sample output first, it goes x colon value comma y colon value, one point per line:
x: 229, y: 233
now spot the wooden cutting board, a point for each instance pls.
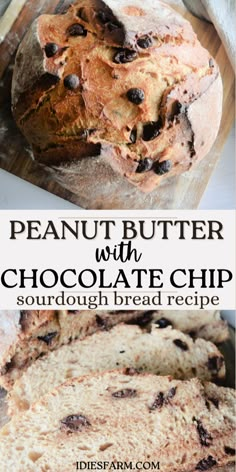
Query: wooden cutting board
x: 179, y: 192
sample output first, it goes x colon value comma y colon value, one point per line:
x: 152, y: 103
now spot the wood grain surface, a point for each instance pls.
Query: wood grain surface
x: 178, y: 192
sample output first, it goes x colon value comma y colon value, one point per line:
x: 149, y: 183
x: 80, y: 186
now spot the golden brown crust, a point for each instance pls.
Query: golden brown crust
x: 121, y: 46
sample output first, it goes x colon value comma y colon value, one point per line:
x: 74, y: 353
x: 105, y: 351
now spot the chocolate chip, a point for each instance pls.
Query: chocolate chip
x: 151, y: 130
x: 124, y: 55
x: 163, y: 167
x: 122, y: 352
x: 71, y: 81
x: 181, y: 344
x: 103, y: 17
x: 74, y: 422
x: 48, y: 337
x: 51, y: 49
x: 136, y: 96
x: 204, y: 436
x: 171, y: 392
x: 73, y: 312
x: 126, y: 393
x: 144, y: 42
x: 163, y: 323
x: 215, y: 363
x: 7, y: 367
x: 206, y: 464
x: 77, y: 30
x: 131, y: 371
x: 158, y: 402
x: 102, y: 323
x: 214, y: 401
x: 133, y: 136
x: 230, y: 451
x: 143, y: 319
x: 113, y: 26
x: 144, y: 165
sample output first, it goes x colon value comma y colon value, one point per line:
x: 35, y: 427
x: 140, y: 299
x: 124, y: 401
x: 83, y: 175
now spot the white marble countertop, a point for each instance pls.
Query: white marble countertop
x: 15, y: 193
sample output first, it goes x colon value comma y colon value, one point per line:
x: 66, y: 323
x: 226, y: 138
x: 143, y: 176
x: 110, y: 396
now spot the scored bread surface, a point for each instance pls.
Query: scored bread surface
x: 126, y: 91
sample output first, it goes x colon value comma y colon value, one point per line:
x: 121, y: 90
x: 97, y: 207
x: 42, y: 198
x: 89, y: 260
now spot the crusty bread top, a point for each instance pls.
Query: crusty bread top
x: 123, y: 416
x: 174, y: 124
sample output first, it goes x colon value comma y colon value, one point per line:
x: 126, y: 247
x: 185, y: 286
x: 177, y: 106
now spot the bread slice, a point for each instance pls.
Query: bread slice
x: 206, y: 324
x: 162, y: 351
x: 122, y: 416
x: 27, y: 335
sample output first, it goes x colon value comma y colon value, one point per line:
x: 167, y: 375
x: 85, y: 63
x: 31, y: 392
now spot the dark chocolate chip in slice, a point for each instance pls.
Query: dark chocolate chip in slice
x: 143, y: 319
x: 181, y: 344
x: 206, y: 464
x: 215, y: 363
x: 125, y: 393
x: 151, y: 130
x: 101, y: 322
x: 77, y: 30
x: 112, y: 26
x: 144, y: 165
x: 163, y: 323
x: 51, y: 49
x: 131, y: 371
x: 124, y: 55
x: 171, y: 392
x: 204, y: 436
x: 71, y: 81
x: 163, y: 167
x: 136, y: 96
x: 74, y: 422
x: 81, y: 13
x: 145, y: 42
x: 214, y: 401
x: 48, y: 337
x: 229, y: 451
x: 158, y: 402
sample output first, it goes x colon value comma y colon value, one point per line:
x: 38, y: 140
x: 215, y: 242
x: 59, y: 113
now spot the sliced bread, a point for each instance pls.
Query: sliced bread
x: 116, y: 417
x: 162, y: 351
x: 27, y: 335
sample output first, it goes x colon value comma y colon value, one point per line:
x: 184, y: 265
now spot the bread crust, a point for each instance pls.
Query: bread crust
x: 93, y: 138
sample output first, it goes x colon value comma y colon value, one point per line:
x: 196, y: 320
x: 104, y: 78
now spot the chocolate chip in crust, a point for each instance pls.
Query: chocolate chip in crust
x: 133, y: 136
x: 229, y: 451
x: 163, y: 167
x: 125, y: 393
x: 144, y: 165
x: 206, y: 464
x: 51, y: 49
x: 136, y: 96
x: 204, y: 436
x: 214, y: 401
x: 151, y: 130
x: 48, y: 337
x: 124, y: 55
x: 71, y: 81
x: 145, y: 42
x: 181, y: 344
x: 77, y: 30
x: 163, y: 323
x: 74, y: 423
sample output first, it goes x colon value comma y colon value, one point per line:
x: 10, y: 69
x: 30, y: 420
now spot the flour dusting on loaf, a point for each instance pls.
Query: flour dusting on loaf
x: 124, y: 88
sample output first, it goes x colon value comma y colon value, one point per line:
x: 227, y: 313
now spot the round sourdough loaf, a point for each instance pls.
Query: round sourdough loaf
x: 115, y: 97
